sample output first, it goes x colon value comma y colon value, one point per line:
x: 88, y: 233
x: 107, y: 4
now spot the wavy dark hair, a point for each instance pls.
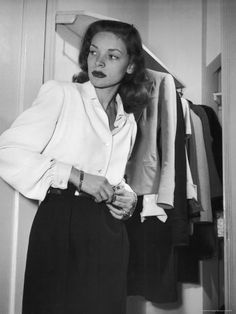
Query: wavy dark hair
x: 135, y: 88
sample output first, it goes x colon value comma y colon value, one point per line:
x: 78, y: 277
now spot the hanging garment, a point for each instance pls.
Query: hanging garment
x: 178, y: 216
x: 186, y: 113
x: 194, y: 208
x: 188, y: 270
x: 147, y: 172
x: 152, y: 260
x: 215, y: 183
x: 201, y: 167
x: 203, y: 240
x: 191, y: 187
x: 216, y: 134
x: 152, y: 270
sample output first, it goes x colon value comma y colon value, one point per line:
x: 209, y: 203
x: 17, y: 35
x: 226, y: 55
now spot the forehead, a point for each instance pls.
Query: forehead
x: 108, y: 40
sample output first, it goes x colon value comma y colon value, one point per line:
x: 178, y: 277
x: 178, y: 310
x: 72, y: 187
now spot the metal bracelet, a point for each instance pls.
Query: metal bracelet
x: 81, y: 178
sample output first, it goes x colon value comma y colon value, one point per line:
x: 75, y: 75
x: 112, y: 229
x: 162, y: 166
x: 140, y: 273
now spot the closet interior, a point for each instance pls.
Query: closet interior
x: 188, y: 247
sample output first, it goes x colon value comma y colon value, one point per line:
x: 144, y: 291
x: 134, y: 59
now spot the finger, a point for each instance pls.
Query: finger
x: 98, y: 198
x: 114, y: 210
x: 126, y: 196
x: 120, y: 191
x: 123, y: 199
x: 123, y: 205
x: 123, y: 214
x: 123, y: 202
x: 109, y: 193
x: 116, y: 216
x: 127, y: 199
x: 104, y: 195
x: 110, y: 197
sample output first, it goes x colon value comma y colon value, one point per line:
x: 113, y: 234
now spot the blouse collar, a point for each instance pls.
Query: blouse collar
x: 121, y: 115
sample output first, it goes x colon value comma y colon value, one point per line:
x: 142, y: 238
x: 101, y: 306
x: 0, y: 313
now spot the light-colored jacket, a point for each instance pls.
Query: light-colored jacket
x: 150, y: 171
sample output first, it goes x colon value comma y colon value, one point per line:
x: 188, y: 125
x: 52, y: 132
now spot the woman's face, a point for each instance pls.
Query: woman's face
x: 108, y: 60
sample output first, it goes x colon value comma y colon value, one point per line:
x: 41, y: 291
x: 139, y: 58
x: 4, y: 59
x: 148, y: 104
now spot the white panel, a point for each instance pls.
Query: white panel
x: 213, y: 30
x: 22, y: 50
x: 175, y: 36
x: 10, y: 43
x: 229, y: 130
x: 66, y: 53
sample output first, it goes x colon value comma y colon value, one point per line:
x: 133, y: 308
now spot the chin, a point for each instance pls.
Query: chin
x: 98, y: 83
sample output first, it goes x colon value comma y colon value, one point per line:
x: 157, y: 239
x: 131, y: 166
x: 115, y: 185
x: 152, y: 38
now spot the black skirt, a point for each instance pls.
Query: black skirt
x: 77, y: 259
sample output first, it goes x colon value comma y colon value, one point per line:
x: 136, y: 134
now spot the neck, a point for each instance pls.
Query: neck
x: 106, y: 95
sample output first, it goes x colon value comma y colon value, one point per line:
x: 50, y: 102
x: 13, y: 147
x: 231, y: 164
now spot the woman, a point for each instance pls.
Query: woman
x: 69, y: 151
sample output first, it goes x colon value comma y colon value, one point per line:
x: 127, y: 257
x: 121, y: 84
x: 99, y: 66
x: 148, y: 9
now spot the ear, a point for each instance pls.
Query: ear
x: 130, y: 68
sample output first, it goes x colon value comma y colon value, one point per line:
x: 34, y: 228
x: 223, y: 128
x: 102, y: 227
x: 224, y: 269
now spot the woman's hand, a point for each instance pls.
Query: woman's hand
x: 97, y: 186
x: 123, y: 203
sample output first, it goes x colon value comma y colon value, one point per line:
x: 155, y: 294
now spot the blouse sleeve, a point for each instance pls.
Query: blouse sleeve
x: 22, y: 162
x: 133, y: 135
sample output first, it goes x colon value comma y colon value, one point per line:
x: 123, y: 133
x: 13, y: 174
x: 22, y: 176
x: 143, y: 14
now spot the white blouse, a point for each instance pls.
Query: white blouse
x: 66, y: 126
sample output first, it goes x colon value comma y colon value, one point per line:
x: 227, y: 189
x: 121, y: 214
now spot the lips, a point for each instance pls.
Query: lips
x: 98, y: 74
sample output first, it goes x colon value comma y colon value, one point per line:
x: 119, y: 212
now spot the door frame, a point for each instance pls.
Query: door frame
x: 229, y: 150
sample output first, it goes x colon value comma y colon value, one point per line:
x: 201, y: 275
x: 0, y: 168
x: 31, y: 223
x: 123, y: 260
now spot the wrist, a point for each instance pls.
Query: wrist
x: 81, y: 179
x: 76, y: 178
x: 135, y: 201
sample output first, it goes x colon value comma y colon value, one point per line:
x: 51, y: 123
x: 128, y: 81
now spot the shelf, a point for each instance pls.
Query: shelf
x: 217, y: 98
x: 78, y: 21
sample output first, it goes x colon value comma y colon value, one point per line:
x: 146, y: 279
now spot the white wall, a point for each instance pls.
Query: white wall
x: 21, y: 49
x: 10, y: 42
x: 212, y: 56
x: 131, y: 11
x: 175, y: 36
x: 213, y: 31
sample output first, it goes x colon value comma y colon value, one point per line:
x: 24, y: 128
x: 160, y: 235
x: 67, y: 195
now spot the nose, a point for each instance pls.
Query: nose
x: 100, y: 61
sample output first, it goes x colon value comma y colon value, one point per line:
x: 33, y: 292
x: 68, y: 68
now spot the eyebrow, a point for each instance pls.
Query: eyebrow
x: 110, y: 49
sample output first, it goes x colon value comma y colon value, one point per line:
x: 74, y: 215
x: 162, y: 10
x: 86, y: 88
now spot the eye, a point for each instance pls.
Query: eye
x: 92, y: 52
x: 113, y: 57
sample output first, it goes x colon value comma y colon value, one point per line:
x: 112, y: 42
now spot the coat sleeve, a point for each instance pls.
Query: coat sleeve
x: 22, y: 162
x: 168, y: 116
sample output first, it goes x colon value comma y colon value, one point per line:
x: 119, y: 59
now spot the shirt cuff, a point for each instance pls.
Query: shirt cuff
x: 165, y: 197
x: 61, y: 175
x: 150, y: 208
x: 191, y: 191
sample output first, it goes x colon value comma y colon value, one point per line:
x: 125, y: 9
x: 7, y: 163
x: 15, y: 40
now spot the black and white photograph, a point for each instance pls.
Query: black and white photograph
x: 117, y: 156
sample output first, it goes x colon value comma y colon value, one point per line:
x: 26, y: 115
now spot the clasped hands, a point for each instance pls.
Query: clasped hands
x: 121, y: 203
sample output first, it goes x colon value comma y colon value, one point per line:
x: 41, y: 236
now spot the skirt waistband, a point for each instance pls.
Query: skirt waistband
x: 70, y: 191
